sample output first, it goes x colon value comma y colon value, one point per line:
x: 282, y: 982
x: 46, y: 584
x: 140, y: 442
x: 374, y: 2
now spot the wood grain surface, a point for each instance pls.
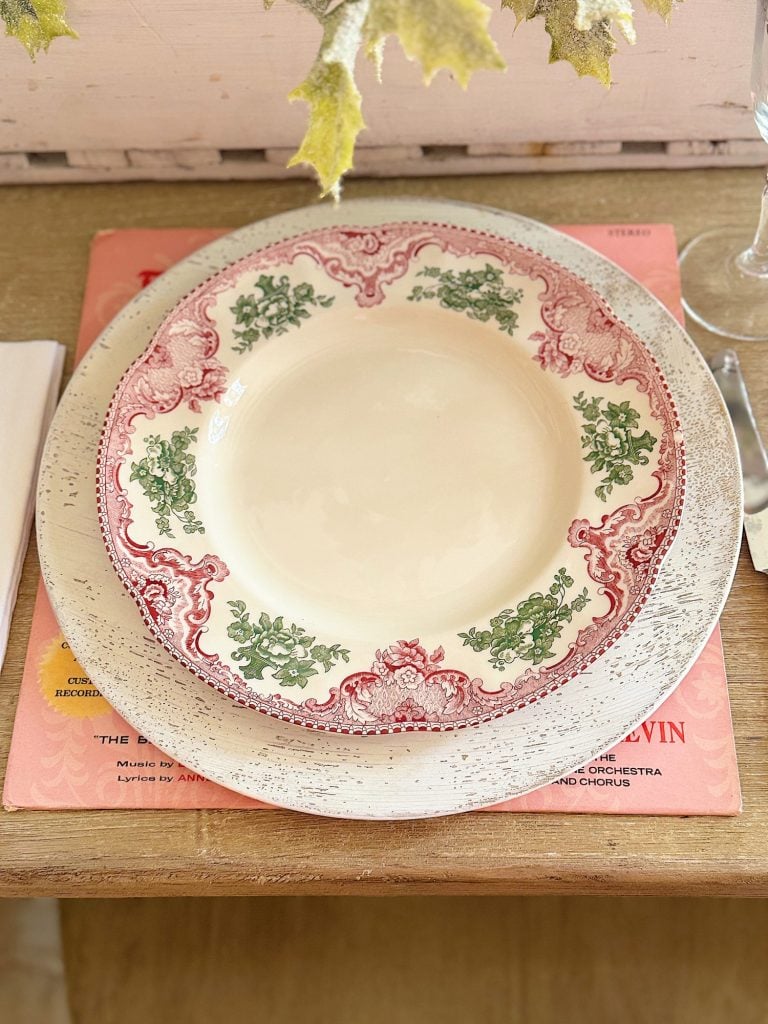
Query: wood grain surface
x: 33, y: 987
x: 417, y: 961
x: 43, y: 258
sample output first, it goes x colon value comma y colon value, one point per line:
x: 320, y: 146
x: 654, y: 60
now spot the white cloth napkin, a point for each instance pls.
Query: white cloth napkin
x: 30, y: 375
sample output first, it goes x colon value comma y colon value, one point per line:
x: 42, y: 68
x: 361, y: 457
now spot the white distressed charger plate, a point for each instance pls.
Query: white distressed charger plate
x: 393, y: 776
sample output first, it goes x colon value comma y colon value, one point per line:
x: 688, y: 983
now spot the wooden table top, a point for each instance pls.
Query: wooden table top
x: 46, y: 231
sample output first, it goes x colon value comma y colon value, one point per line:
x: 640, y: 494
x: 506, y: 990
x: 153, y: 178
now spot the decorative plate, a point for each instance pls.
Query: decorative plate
x: 406, y: 775
x: 404, y: 476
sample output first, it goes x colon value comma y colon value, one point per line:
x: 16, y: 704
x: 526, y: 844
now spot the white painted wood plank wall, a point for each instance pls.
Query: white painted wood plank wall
x: 189, y: 75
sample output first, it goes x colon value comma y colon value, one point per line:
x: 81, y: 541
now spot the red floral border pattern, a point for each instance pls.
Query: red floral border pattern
x: 405, y: 688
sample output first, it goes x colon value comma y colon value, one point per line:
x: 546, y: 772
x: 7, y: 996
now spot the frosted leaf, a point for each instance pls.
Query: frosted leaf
x: 335, y: 117
x: 590, y: 12
x: 36, y: 23
x: 450, y: 34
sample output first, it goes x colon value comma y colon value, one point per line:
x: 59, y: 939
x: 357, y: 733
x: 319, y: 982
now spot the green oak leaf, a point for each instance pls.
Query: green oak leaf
x: 35, y: 23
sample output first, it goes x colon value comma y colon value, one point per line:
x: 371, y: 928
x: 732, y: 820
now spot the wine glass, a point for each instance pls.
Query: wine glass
x: 725, y: 271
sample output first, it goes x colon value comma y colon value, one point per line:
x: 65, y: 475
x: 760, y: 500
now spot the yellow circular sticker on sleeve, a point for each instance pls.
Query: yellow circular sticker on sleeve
x: 65, y: 685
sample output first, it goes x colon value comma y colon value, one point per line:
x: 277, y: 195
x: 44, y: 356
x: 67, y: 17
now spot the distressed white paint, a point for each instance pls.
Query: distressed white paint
x: 388, y: 776
x: 582, y: 148
x: 373, y: 162
x: 13, y: 164
x: 183, y: 159
x: 98, y: 159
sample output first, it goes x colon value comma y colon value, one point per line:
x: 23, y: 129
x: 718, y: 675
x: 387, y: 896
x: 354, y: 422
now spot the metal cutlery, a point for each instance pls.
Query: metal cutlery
x: 754, y: 460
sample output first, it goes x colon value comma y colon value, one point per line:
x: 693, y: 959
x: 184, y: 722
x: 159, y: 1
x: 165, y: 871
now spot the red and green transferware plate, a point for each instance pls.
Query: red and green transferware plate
x: 405, y: 476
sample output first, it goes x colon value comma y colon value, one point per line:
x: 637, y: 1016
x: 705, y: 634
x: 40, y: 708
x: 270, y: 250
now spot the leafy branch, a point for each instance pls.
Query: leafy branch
x: 450, y: 34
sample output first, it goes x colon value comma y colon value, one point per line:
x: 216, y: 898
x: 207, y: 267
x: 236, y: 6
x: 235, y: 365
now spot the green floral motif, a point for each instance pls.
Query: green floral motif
x: 272, y: 308
x: 481, y: 294
x: 528, y: 632
x: 613, y: 448
x: 165, y: 474
x: 290, y: 654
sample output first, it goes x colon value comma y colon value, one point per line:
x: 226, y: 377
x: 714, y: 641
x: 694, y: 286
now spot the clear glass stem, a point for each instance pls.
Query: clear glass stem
x: 724, y: 273
x: 755, y: 259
